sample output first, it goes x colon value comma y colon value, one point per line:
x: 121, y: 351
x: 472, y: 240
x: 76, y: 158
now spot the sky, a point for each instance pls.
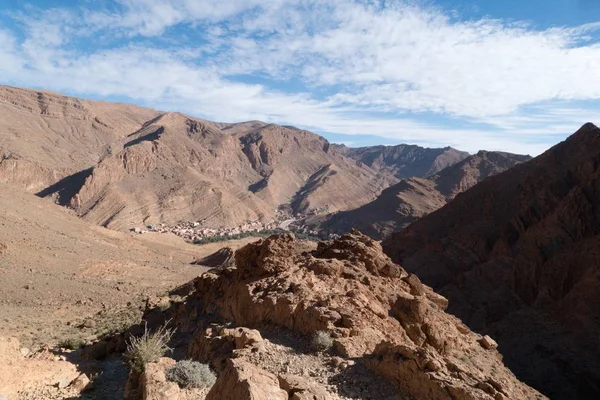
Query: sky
x: 511, y: 75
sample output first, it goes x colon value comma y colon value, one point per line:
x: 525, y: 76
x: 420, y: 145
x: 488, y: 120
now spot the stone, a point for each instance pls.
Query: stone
x: 152, y: 384
x: 488, y: 343
x: 243, y: 381
x: 299, y: 388
x: 63, y: 383
x: 81, y: 383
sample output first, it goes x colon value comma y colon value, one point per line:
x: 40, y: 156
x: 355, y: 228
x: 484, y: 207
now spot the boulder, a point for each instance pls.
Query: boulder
x: 81, y: 383
x: 299, y: 388
x: 488, y: 343
x: 152, y: 384
x: 243, y: 381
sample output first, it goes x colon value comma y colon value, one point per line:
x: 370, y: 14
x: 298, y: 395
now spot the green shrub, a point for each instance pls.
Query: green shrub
x: 148, y: 348
x: 188, y: 373
x: 322, y: 341
x: 71, y: 343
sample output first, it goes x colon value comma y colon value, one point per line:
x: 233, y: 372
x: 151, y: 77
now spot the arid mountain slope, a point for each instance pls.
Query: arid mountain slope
x: 122, y: 166
x: 177, y: 168
x: 405, y: 161
x: 45, y: 137
x: 518, y: 257
x: 410, y: 199
x: 55, y: 268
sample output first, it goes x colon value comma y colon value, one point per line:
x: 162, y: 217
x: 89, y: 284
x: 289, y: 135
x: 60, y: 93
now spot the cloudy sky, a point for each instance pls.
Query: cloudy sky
x: 514, y: 75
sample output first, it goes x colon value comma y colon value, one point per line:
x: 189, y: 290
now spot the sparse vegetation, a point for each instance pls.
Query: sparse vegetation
x: 215, y: 239
x: 149, y: 347
x: 71, y: 343
x: 260, y: 234
x: 466, y: 359
x: 192, y: 374
x: 322, y: 341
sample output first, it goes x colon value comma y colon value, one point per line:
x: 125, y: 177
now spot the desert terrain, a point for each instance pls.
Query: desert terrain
x: 152, y: 255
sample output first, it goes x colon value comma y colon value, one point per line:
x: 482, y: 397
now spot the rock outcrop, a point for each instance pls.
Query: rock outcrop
x: 25, y: 375
x: 378, y: 315
x: 517, y: 255
x: 243, y: 381
x: 405, y: 202
x: 221, y: 258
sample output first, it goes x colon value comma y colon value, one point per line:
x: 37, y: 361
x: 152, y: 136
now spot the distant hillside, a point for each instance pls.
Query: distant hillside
x: 405, y: 161
x: 120, y: 166
x: 518, y: 256
x: 411, y: 199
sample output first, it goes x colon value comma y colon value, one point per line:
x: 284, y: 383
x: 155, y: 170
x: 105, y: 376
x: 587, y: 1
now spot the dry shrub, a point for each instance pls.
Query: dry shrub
x: 148, y: 348
x: 188, y: 373
x: 322, y: 341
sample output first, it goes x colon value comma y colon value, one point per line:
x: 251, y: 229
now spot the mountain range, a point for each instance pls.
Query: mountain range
x: 403, y: 160
x: 121, y: 166
x: 510, y: 241
x: 412, y: 198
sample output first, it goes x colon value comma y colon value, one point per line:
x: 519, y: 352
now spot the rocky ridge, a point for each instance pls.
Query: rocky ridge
x: 391, y: 337
x: 517, y: 255
x: 412, y: 198
x: 404, y: 160
x: 46, y: 137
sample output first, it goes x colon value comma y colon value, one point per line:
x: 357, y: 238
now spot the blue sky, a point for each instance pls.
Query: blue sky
x: 498, y: 75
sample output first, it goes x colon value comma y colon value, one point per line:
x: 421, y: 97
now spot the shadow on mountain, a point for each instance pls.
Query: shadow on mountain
x: 66, y: 188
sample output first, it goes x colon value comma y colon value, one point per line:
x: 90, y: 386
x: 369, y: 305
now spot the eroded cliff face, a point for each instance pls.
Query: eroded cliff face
x: 405, y: 202
x: 517, y: 255
x: 45, y: 137
x: 380, y: 317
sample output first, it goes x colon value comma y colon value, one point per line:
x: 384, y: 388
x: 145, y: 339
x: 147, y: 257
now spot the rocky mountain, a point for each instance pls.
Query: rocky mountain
x: 517, y: 256
x: 45, y: 137
x: 122, y: 166
x: 405, y: 161
x: 410, y: 199
x: 338, y: 320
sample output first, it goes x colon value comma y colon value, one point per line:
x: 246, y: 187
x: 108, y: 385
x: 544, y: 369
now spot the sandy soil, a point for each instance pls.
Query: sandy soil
x: 59, y: 273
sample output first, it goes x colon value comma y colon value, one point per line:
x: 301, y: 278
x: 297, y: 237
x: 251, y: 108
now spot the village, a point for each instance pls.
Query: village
x: 195, y: 232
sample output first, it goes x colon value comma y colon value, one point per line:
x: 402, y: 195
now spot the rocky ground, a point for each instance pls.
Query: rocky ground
x: 65, y: 282
x: 254, y: 321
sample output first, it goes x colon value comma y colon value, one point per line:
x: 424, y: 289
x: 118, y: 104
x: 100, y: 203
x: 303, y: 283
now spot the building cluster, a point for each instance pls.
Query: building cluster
x: 195, y: 232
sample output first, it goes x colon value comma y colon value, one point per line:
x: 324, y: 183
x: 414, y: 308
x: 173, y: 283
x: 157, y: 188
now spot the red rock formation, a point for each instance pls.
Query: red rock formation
x: 518, y: 257
x: 374, y: 310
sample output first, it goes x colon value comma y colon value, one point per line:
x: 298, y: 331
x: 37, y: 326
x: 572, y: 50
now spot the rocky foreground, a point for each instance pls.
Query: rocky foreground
x: 253, y: 319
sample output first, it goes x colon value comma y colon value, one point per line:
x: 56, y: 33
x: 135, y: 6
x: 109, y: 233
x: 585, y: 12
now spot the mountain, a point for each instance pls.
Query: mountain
x: 177, y: 168
x: 405, y: 161
x: 410, y: 199
x: 517, y: 255
x: 45, y: 137
x: 122, y: 166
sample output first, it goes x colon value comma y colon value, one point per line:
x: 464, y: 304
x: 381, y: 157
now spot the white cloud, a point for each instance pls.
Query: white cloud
x: 357, y: 68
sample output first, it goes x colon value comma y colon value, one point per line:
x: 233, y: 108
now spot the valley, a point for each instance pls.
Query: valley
x: 244, y: 243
